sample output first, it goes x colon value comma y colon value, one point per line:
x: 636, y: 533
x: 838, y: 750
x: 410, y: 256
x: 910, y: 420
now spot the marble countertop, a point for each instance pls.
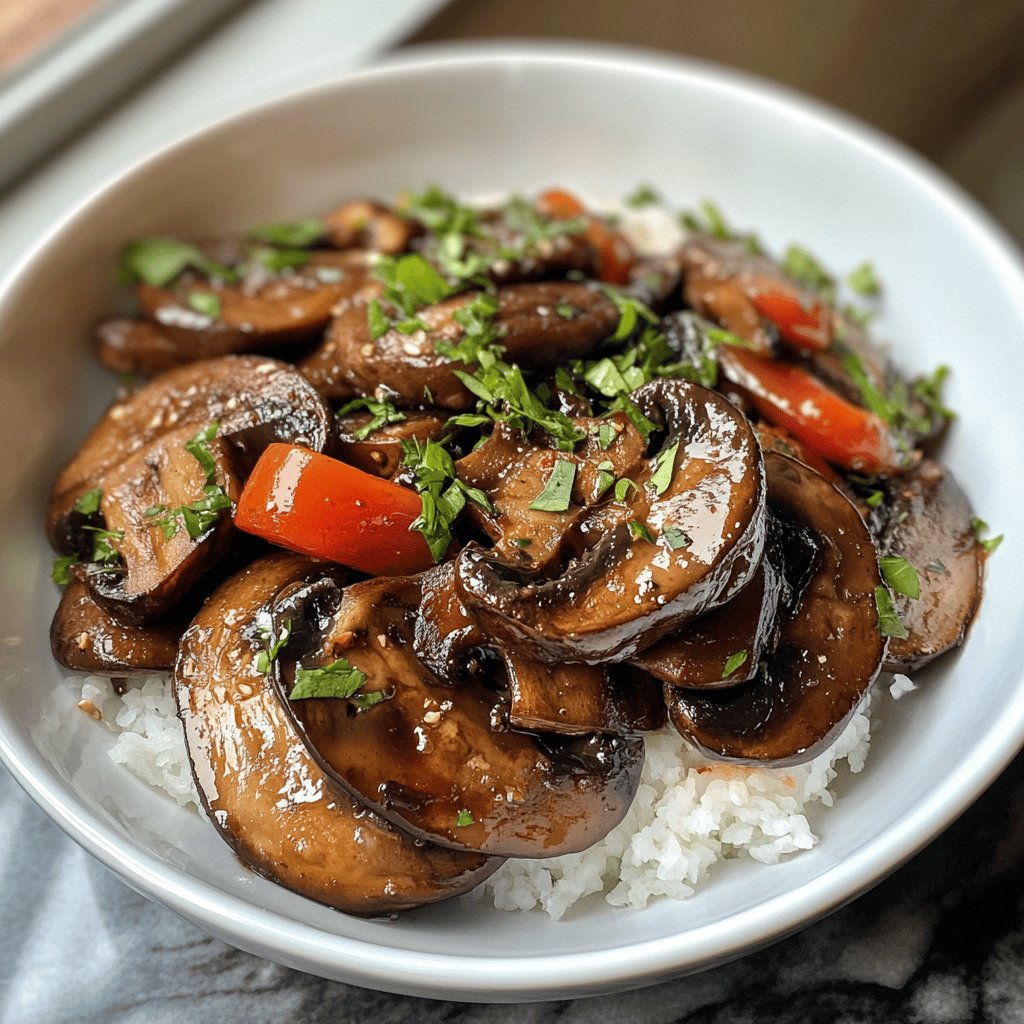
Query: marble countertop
x: 939, y: 942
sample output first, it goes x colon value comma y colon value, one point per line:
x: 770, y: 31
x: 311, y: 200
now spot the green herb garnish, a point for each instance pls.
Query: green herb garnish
x: 277, y: 260
x: 863, y: 281
x: 275, y: 644
x: 296, y: 234
x: 158, y: 261
x: 206, y: 303
x: 980, y: 528
x: 889, y: 623
x: 676, y: 538
x: 338, y: 679
x: 639, y: 531
x: 89, y: 502
x: 805, y: 269
x: 874, y: 499
x: 643, y: 195
x: 442, y: 494
x: 199, y: 449
x: 901, y: 576
x: 60, y: 572
x: 102, y: 550
x: 733, y: 662
x: 664, y: 467
x: 464, y: 818
x: 197, y: 516
x: 382, y: 412
x: 557, y: 490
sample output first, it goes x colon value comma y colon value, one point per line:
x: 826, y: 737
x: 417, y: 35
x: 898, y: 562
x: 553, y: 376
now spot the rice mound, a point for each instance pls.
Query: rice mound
x: 689, y: 811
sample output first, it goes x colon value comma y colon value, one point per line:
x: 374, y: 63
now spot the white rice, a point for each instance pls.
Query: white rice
x: 689, y: 812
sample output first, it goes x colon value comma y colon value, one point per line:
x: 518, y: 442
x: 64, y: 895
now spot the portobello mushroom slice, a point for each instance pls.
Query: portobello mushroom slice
x: 253, y: 399
x: 379, y: 450
x: 409, y: 367
x: 567, y: 698
x: 436, y: 758
x: 929, y: 523
x: 725, y: 646
x: 574, y: 699
x: 363, y: 223
x: 829, y: 651
x: 513, y: 471
x: 686, y: 539
x: 165, y: 516
x: 84, y: 637
x: 262, y: 787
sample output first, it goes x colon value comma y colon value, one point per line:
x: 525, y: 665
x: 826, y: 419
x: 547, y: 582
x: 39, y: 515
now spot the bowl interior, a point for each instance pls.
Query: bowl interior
x: 514, y: 121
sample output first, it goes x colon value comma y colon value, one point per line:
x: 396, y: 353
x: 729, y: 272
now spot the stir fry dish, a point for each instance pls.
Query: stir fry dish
x: 433, y: 510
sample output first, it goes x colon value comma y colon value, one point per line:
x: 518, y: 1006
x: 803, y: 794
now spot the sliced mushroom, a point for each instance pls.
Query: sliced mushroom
x: 573, y: 699
x: 160, y: 558
x: 254, y: 400
x: 828, y: 653
x: 263, y: 789
x: 930, y: 525
x: 435, y: 758
x: 725, y: 646
x: 380, y: 451
x: 409, y: 368
x: 85, y: 638
x: 364, y: 223
x: 566, y: 698
x: 651, y: 562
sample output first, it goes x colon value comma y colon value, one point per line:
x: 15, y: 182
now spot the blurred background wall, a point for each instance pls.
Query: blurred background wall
x: 945, y: 76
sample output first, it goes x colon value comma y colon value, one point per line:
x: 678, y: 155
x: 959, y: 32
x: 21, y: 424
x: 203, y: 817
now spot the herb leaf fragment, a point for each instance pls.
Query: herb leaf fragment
x: 295, y: 234
x: 735, y: 660
x: 338, y: 679
x: 980, y: 528
x: 158, y: 261
x: 275, y: 644
x: 889, y: 622
x: 89, y: 503
x: 557, y: 490
x: 901, y: 576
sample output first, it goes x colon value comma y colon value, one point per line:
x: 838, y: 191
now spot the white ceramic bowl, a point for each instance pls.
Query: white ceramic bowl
x: 481, y: 121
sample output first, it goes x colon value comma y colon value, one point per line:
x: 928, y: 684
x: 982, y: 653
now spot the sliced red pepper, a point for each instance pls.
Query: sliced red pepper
x: 307, y: 502
x: 804, y: 323
x: 615, y: 257
x: 840, y: 432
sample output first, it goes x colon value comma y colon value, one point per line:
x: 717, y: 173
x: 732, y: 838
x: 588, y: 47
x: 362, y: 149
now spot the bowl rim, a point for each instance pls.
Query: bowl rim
x: 575, y: 973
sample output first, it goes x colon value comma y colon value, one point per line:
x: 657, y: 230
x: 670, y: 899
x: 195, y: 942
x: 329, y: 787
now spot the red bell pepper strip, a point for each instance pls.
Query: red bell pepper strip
x: 615, y: 257
x: 307, y: 502
x: 804, y: 323
x: 786, y: 395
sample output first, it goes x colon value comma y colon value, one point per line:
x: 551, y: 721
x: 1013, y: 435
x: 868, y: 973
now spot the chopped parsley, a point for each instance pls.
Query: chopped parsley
x: 733, y: 662
x: 199, y: 449
x: 805, y: 269
x: 639, y: 531
x: 158, y: 261
x: 102, y: 549
x: 410, y: 283
x: 377, y: 319
x: 206, y: 303
x: 89, y: 502
x: 566, y: 310
x: 863, y: 281
x: 464, y: 818
x: 277, y: 260
x: 664, y: 467
x: 889, y: 623
x: 980, y: 528
x: 605, y: 477
x: 381, y: 411
x: 874, y: 499
x: 901, y: 576
x: 60, y: 572
x: 197, y: 516
x: 442, y: 494
x: 643, y: 195
x: 557, y: 490
x: 607, y: 432
x: 622, y: 487
x: 275, y: 644
x: 676, y: 538
x: 295, y: 234
x: 338, y: 679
